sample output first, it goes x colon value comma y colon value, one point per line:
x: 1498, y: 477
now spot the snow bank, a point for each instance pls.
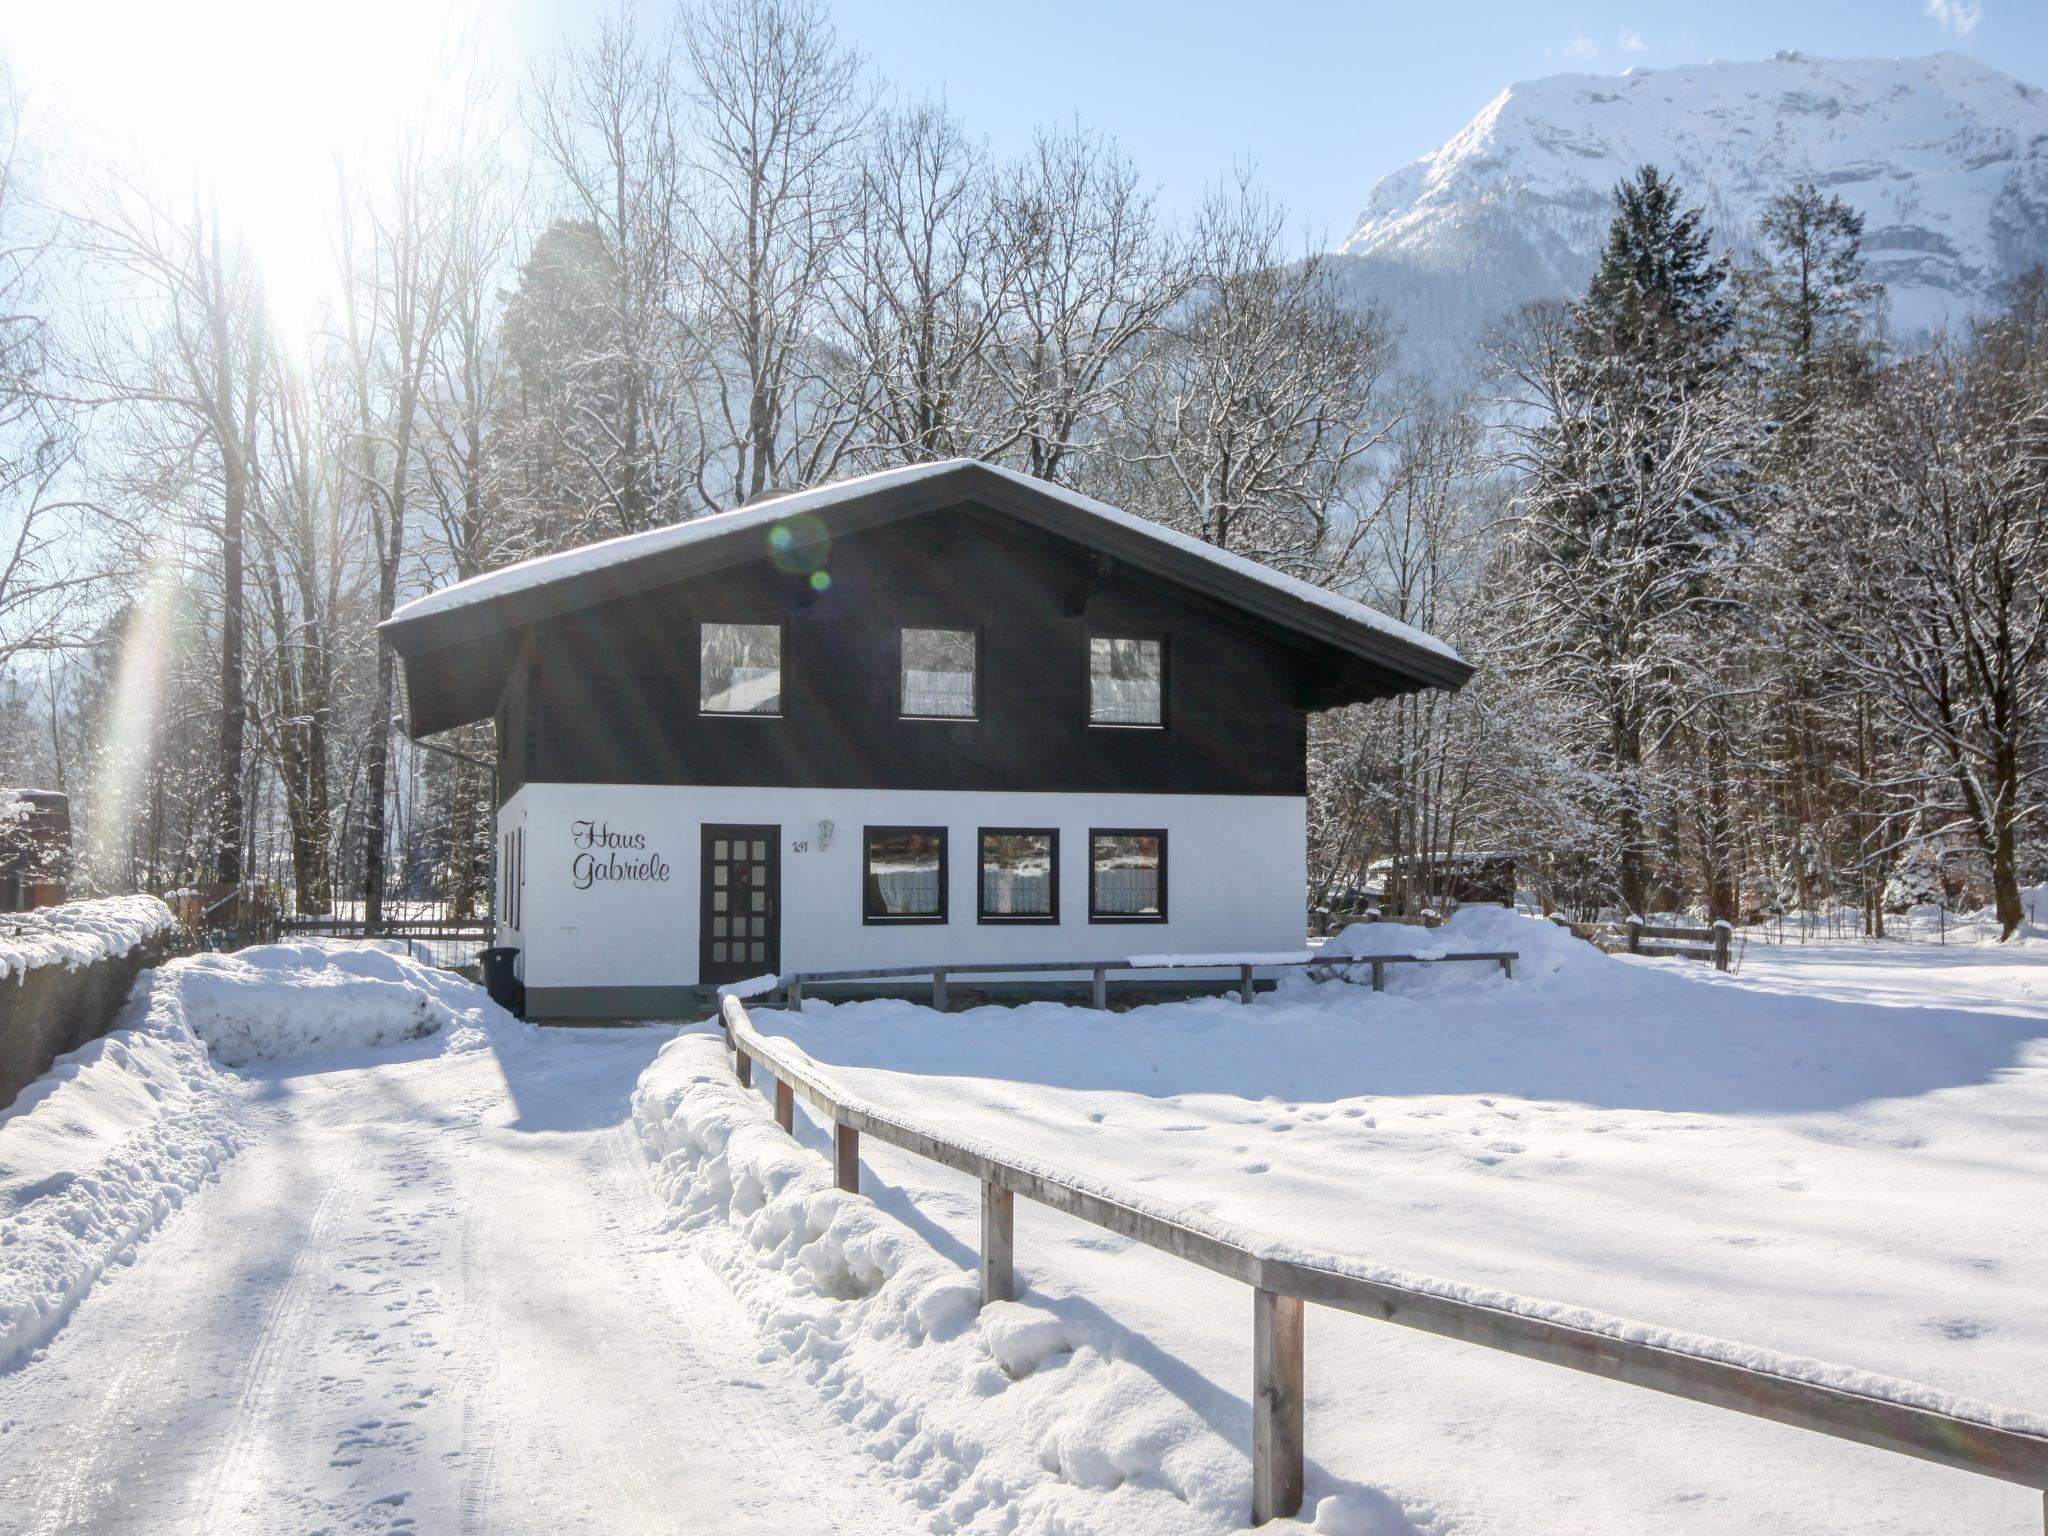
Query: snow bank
x: 80, y: 932
x: 1545, y: 948
x: 292, y: 999
x: 1024, y: 1416
x: 98, y: 1152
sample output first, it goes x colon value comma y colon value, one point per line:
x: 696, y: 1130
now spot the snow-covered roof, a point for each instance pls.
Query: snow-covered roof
x: 545, y: 569
x: 499, y: 600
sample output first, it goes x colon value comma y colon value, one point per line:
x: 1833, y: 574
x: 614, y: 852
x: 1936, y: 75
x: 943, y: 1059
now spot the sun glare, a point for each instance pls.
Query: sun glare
x: 255, y: 99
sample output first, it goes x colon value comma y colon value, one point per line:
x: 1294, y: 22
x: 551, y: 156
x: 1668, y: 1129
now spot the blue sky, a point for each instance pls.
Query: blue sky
x: 1326, y: 98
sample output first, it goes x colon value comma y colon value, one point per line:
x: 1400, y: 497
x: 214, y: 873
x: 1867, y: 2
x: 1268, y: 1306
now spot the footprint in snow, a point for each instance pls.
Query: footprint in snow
x: 1959, y: 1329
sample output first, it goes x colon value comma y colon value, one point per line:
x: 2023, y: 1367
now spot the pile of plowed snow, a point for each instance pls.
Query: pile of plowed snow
x: 1013, y: 1418
x: 96, y: 1153
x: 295, y: 999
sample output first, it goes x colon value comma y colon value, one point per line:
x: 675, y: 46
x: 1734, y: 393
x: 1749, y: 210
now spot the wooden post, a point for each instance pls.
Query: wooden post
x: 785, y: 1106
x: 846, y: 1158
x: 1379, y: 975
x: 1507, y: 966
x: 796, y: 994
x: 1277, y: 1450
x: 1723, y: 931
x: 939, y: 991
x: 743, y: 1067
x: 1100, y: 999
x: 1244, y: 984
x: 1635, y: 934
x: 998, y: 1243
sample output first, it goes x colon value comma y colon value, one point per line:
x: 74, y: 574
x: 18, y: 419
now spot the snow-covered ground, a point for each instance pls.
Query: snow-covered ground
x: 417, y: 1266
x: 412, y: 1285
x: 1839, y: 1154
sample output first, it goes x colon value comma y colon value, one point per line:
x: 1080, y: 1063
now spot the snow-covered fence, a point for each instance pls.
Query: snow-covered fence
x: 1848, y: 1404
x: 1099, y: 971
x: 64, y: 973
x: 1659, y: 941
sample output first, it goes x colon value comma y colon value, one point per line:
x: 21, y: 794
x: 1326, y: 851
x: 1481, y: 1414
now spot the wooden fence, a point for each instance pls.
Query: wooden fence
x: 1636, y: 937
x: 1098, y: 971
x: 1283, y: 1285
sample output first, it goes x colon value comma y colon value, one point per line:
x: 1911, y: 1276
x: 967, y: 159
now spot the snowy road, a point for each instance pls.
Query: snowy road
x: 429, y: 1295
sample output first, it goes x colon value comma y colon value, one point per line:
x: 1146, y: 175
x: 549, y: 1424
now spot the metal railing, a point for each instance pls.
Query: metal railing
x: 1098, y: 971
x: 1893, y: 1417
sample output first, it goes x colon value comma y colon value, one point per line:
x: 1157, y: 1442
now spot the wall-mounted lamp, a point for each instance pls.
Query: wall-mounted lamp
x: 825, y: 830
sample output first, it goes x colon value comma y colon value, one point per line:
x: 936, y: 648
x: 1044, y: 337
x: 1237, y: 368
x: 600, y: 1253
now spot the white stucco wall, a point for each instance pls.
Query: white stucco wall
x: 1236, y: 874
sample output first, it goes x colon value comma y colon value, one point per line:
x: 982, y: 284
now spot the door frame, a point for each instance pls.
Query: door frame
x: 717, y: 973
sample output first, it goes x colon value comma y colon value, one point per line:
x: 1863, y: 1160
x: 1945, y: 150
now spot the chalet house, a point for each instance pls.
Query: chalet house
x: 947, y: 712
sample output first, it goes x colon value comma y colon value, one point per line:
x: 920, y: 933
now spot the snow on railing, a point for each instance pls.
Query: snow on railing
x: 1099, y: 971
x: 1892, y: 1415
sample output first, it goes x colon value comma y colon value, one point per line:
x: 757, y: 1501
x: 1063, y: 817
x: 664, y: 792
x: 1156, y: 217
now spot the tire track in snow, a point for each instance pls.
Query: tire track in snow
x: 710, y: 1319
x: 232, y: 1484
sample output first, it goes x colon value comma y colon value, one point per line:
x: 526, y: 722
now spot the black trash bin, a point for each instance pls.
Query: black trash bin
x: 501, y: 980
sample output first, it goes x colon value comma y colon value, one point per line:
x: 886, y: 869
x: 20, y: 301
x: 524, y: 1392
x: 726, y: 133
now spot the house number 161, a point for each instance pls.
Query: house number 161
x: 800, y: 846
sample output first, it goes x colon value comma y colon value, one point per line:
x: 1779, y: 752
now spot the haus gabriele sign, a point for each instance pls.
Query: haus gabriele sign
x: 606, y: 857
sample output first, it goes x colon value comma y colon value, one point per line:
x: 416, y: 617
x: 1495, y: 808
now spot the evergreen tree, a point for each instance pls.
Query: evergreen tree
x: 1657, y: 298
x: 1632, y: 446
x: 1804, y: 310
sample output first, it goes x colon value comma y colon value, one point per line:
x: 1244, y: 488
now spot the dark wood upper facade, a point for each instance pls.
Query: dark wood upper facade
x: 609, y: 694
x: 591, y: 665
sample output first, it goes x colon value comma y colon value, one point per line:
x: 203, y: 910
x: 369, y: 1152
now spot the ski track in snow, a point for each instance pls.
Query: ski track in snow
x: 429, y: 1295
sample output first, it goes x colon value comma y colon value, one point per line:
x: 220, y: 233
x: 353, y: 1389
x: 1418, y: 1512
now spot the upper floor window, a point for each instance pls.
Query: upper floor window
x: 903, y: 875
x: 740, y: 669
x: 939, y: 674
x: 1126, y: 681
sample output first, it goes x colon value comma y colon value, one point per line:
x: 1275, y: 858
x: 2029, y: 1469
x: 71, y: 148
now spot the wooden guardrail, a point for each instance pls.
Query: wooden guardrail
x: 1099, y: 971
x: 1637, y: 937
x: 1897, y: 1417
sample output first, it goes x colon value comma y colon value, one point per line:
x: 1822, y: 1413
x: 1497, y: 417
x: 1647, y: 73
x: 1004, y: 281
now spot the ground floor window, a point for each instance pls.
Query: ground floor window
x: 1126, y: 876
x: 903, y: 873
x: 1020, y: 875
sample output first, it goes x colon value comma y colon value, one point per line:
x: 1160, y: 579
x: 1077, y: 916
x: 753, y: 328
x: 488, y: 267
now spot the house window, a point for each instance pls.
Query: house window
x: 1126, y: 876
x: 740, y: 669
x: 1020, y: 875
x: 512, y: 876
x: 904, y: 875
x: 939, y: 674
x: 1126, y: 681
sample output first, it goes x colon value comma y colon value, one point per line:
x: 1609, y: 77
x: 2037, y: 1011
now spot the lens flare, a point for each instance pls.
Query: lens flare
x: 800, y: 545
x: 132, y: 736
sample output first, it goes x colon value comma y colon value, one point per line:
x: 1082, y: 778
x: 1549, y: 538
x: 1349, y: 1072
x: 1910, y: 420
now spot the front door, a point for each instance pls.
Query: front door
x: 740, y: 916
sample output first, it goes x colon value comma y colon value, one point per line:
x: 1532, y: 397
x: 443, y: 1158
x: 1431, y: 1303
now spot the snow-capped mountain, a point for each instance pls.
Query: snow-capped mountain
x: 1945, y: 158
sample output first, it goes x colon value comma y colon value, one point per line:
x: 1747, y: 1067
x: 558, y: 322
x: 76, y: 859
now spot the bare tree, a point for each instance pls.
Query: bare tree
x: 182, y: 356
x: 1929, y: 534
x: 1264, y: 398
x: 922, y: 295
x: 778, y: 108
x: 395, y: 262
x: 1093, y: 275
x: 605, y: 125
